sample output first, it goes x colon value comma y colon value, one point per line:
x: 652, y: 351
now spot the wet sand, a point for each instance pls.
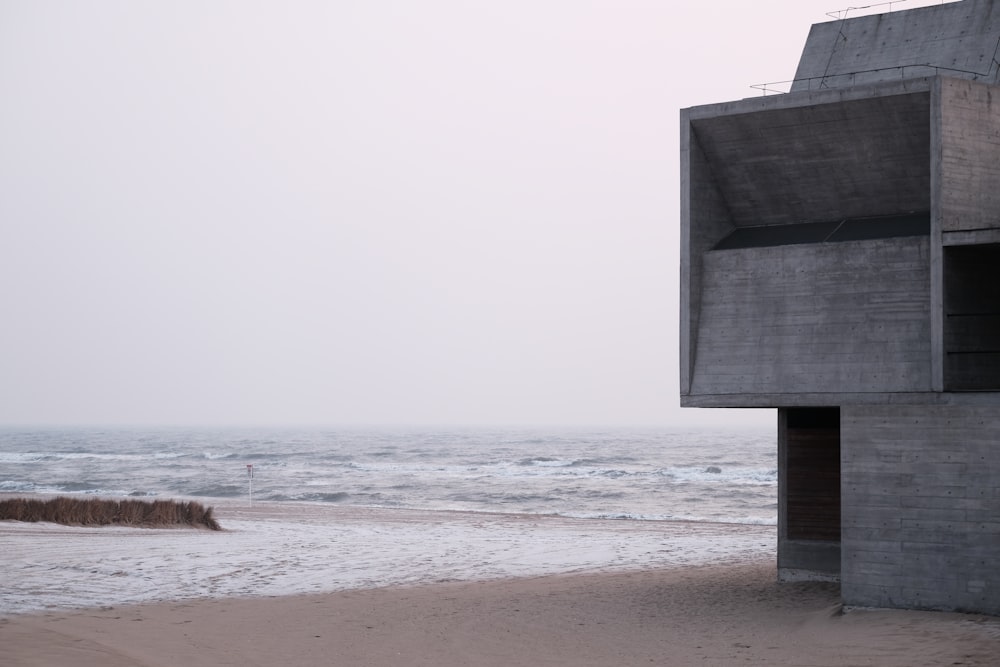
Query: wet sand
x: 708, y: 615
x: 289, y: 584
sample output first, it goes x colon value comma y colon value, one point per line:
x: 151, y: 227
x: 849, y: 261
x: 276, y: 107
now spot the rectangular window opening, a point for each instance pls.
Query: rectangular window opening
x: 972, y: 317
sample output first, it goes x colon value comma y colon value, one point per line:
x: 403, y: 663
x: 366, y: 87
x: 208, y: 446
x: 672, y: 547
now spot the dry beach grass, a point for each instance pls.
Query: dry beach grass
x: 105, y: 512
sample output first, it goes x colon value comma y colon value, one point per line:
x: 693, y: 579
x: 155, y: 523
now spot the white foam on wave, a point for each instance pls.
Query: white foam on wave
x: 631, y: 516
x: 289, y: 548
x: 720, y: 475
x: 169, y: 455
x: 31, y: 487
x: 408, y: 468
x: 21, y: 457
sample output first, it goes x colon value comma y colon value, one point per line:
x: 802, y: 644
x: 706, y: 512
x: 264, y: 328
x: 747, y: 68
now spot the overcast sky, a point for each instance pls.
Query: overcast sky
x: 356, y: 211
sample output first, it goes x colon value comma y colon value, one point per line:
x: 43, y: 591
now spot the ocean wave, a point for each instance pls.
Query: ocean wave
x: 214, y: 456
x: 547, y: 461
x: 55, y: 457
x: 20, y: 457
x: 662, y: 477
x: 78, y: 487
x: 603, y: 461
x: 587, y: 462
x: 311, y: 497
x: 723, y: 476
x: 169, y: 455
x: 406, y: 468
x: 614, y: 474
x: 11, y: 486
x: 69, y: 488
x: 219, y: 491
x: 590, y: 494
x: 501, y: 498
x: 31, y: 457
x: 275, y: 456
x: 630, y: 516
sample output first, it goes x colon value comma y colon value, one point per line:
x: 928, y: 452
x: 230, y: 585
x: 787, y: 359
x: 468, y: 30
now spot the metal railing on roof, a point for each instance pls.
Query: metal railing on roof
x: 841, y: 14
x: 767, y: 88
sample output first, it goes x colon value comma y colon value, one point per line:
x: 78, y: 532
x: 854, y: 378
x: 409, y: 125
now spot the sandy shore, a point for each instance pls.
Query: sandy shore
x: 710, y: 615
x: 292, y: 585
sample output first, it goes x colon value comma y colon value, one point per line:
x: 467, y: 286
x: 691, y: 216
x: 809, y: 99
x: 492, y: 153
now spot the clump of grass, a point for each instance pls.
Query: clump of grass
x: 100, y: 512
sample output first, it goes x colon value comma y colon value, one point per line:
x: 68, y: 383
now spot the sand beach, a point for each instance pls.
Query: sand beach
x: 311, y: 585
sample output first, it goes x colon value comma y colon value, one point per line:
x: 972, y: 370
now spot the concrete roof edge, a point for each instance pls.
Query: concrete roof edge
x: 988, y: 398
x: 810, y: 98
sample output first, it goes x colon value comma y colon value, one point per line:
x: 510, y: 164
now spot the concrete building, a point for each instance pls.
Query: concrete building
x: 840, y: 261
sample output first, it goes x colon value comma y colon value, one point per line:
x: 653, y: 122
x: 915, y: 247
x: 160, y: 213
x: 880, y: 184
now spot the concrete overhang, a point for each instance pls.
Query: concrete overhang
x: 783, y: 160
x: 817, y: 156
x: 820, y: 399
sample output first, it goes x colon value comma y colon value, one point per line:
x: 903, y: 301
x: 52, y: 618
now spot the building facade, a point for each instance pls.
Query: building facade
x: 840, y: 261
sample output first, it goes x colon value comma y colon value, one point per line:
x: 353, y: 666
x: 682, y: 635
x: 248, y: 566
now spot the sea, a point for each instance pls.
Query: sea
x: 705, y: 475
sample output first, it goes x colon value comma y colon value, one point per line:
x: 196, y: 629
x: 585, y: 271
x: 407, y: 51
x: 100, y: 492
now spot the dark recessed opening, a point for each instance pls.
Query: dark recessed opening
x: 812, y: 473
x: 836, y: 231
x: 972, y: 317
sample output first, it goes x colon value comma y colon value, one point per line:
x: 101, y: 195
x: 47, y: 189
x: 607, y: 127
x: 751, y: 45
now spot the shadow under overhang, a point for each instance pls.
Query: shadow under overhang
x: 835, y: 231
x: 844, y: 160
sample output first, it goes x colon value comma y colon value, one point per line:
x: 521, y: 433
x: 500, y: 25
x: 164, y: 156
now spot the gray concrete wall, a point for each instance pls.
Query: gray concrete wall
x: 970, y: 156
x: 921, y: 507
x: 838, y: 317
x: 706, y: 220
x: 953, y: 39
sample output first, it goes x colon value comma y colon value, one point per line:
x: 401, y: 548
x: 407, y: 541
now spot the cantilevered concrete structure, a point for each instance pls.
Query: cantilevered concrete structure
x: 841, y: 262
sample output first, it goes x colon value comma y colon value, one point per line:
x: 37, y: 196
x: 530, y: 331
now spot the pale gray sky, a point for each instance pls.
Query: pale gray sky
x: 356, y: 212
